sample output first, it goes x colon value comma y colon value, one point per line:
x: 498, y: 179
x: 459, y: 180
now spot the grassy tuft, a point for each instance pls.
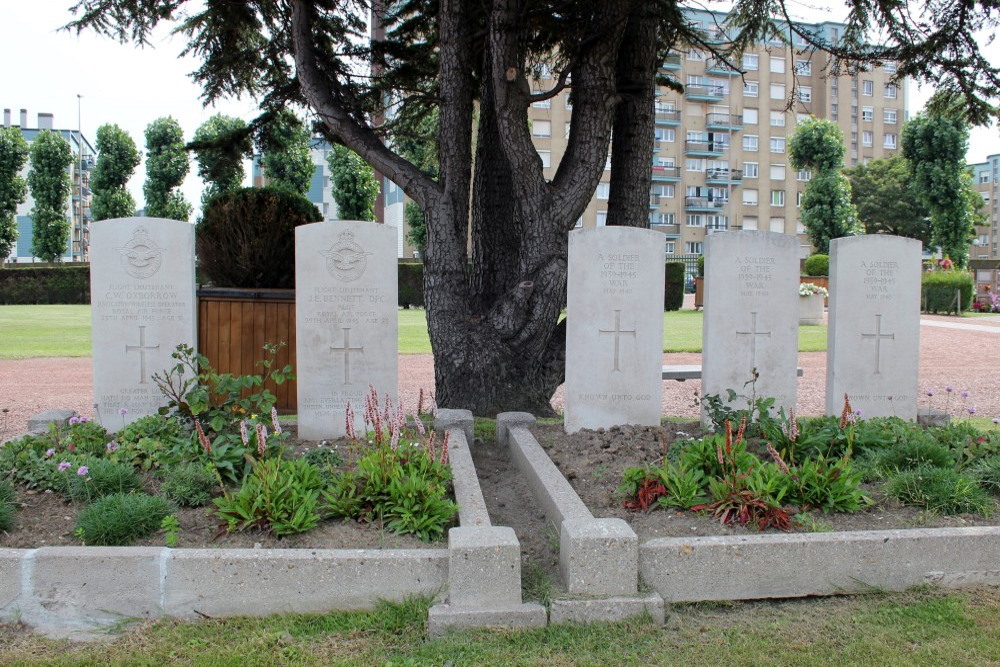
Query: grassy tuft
x: 121, y: 518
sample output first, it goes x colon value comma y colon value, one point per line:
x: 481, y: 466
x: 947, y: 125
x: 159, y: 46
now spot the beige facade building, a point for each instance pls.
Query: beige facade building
x: 986, y: 180
x: 721, y: 159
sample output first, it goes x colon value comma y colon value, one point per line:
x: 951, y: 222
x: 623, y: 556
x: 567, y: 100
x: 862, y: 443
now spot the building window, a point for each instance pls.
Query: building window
x: 866, y: 138
x: 777, y: 198
x: 777, y: 91
x: 778, y: 225
x: 834, y: 111
x: 694, y: 164
x: 890, y: 141
x: 541, y: 128
x: 889, y: 116
x: 889, y: 67
x: 664, y: 134
x: 602, y: 218
x: 751, y: 62
x: 984, y: 177
x: 798, y: 200
x: 567, y: 127
x: 750, y: 222
x: 750, y: 197
x: 803, y: 175
x: 867, y: 114
x: 749, y: 170
x: 777, y: 144
x: 750, y: 89
x: 778, y: 65
x: 603, y: 190
x: 890, y: 91
x: 749, y: 142
x: 777, y: 172
x: 663, y: 191
x: 696, y: 55
x: 546, y: 158
x: 693, y: 247
x: 777, y: 119
x: 805, y: 94
x: 803, y: 67
x: 661, y: 218
x: 867, y: 87
x: 749, y: 116
x: 718, y: 222
x: 670, y: 247
x: 695, y: 220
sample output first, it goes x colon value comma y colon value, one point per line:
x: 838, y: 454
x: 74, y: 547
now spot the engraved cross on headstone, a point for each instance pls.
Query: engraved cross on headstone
x: 142, y: 349
x: 618, y: 332
x: 878, y: 336
x: 753, y: 333
x: 347, y: 350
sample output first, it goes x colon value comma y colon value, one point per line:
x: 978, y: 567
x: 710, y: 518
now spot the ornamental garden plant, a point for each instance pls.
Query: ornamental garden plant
x: 219, y: 447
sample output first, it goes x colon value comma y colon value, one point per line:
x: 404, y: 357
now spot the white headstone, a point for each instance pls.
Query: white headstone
x: 346, y: 322
x: 614, y: 337
x: 751, y: 317
x: 873, y: 347
x: 142, y: 293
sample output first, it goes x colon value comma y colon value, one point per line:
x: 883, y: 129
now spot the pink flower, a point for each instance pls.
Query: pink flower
x: 49, y: 453
x: 82, y: 470
x: 274, y: 421
x: 112, y: 446
x: 972, y: 409
x: 261, y: 439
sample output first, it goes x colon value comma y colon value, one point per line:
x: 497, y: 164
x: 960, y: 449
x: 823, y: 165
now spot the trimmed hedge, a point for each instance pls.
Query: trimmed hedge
x: 411, y: 284
x: 44, y: 285
x: 817, y: 265
x: 673, y: 288
x: 938, y: 288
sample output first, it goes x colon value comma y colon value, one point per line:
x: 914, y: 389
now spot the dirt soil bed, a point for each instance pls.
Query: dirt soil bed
x: 47, y: 519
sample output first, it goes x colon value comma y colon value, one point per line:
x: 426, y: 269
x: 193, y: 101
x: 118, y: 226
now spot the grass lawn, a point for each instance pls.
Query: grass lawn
x: 925, y: 626
x: 64, y: 331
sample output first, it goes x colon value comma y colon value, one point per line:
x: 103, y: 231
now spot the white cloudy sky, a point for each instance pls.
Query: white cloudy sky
x: 44, y: 69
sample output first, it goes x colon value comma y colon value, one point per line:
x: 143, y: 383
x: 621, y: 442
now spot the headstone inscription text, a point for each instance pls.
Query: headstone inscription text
x: 143, y: 306
x: 614, y: 336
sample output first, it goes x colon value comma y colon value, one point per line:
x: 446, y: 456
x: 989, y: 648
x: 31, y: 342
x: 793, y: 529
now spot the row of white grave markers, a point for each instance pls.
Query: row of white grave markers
x: 144, y: 306
x: 750, y: 332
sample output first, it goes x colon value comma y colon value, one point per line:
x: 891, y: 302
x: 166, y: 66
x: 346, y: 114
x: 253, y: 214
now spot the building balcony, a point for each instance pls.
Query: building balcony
x: 654, y: 202
x: 719, y: 67
x: 667, y: 117
x: 672, y: 61
x: 715, y: 229
x: 724, y: 121
x: 700, y: 92
x: 700, y: 148
x: 704, y: 204
x: 670, y: 231
x: 723, y: 176
x: 669, y: 174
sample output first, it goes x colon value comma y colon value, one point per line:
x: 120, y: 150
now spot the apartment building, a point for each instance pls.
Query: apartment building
x: 78, y: 208
x: 986, y: 181
x: 720, y: 157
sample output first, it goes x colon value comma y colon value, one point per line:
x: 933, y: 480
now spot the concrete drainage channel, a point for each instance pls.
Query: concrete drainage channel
x: 476, y: 581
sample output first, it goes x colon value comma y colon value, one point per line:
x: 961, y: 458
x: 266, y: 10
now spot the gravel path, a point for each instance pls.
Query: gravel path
x: 966, y: 358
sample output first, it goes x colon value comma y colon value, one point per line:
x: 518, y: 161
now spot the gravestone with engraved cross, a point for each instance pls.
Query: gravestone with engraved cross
x: 143, y: 305
x: 873, y: 347
x: 346, y: 322
x: 750, y: 327
x: 614, y: 336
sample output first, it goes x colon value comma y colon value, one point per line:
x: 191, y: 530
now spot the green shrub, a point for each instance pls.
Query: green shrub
x: 685, y: 486
x: 7, y: 505
x: 83, y: 437
x: 938, y: 290
x: 45, y: 285
x: 987, y: 474
x: 121, y: 518
x: 25, y: 461
x: 188, y: 485
x: 817, y: 265
x: 913, y: 454
x: 673, y: 286
x: 411, y: 284
x: 246, y: 237
x: 701, y: 266
x: 98, y: 478
x: 326, y: 460
x: 830, y: 486
x: 152, y: 442
x: 940, y: 490
x: 279, y: 496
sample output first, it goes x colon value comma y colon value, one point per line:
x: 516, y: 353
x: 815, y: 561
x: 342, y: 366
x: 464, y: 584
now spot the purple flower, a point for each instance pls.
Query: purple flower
x: 123, y: 411
x: 112, y: 446
x: 965, y: 394
x: 64, y: 466
x: 930, y: 392
x: 972, y: 409
x: 49, y: 453
x: 857, y: 413
x: 996, y: 420
x: 82, y: 470
x: 74, y: 420
x: 949, y: 389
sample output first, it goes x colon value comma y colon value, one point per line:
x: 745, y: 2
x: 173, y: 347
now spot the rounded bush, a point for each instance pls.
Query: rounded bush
x: 188, y: 485
x: 818, y: 265
x: 940, y: 490
x: 120, y: 519
x: 246, y: 237
x: 914, y: 454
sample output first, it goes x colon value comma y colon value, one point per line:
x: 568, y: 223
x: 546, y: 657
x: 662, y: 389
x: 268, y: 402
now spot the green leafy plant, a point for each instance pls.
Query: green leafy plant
x: 171, y: 528
x: 121, y: 518
x: 99, y: 478
x: 188, y: 485
x: 326, y: 460
x: 908, y: 456
x: 756, y: 415
x: 279, y: 496
x: 940, y: 490
x: 8, y: 499
x: 641, y: 486
x: 827, y: 485
x: 987, y: 474
x: 684, y: 487
x: 151, y: 442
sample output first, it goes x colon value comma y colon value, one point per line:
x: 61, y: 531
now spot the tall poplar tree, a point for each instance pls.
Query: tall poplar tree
x: 166, y: 166
x: 13, y: 188
x: 117, y: 158
x: 50, y: 185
